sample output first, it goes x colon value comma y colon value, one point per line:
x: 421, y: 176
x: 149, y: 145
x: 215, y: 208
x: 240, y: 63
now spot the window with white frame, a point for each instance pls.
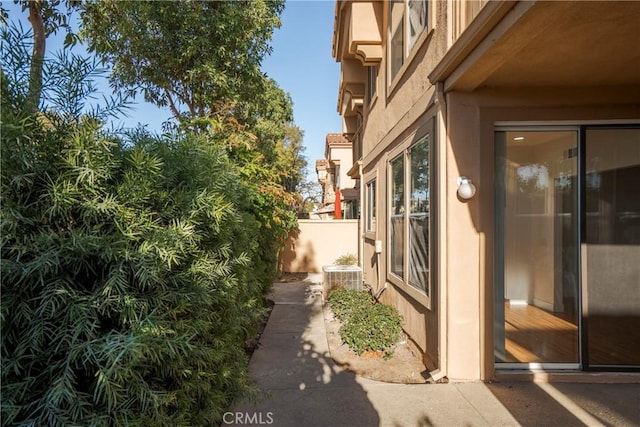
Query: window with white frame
x: 408, y: 19
x: 409, y: 216
x: 371, y: 205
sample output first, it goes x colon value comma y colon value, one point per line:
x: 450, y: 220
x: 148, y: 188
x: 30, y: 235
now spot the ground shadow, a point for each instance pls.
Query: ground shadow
x: 569, y: 404
x: 298, y: 382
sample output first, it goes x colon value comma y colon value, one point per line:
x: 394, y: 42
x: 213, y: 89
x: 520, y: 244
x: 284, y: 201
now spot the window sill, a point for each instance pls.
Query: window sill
x: 415, y: 294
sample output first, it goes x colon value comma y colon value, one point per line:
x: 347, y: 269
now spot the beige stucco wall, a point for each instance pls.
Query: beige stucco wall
x: 470, y: 151
x: 456, y: 331
x: 467, y: 147
x: 345, y: 156
x: 318, y: 242
x: 400, y: 112
x: 386, y: 117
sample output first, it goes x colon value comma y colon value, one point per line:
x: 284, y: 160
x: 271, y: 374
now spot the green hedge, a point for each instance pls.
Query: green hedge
x: 128, y: 276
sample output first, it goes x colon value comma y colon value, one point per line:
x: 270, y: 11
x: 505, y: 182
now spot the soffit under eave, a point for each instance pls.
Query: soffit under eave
x: 490, y: 15
x: 534, y: 45
x: 354, y: 172
x: 598, y: 46
x: 351, y: 99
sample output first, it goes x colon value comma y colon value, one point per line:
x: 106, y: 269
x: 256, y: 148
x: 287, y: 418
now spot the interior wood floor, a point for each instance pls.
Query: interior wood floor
x: 535, y: 335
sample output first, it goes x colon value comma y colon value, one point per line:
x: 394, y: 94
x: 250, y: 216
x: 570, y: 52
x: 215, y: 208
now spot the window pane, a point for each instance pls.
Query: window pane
x: 397, y: 216
x: 417, y: 20
x: 371, y: 206
x: 538, y: 308
x: 396, y: 55
x: 419, y: 217
x: 372, y: 76
x: 612, y: 246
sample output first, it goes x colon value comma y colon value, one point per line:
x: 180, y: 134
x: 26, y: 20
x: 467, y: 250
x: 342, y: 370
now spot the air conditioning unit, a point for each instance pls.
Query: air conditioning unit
x: 341, y: 276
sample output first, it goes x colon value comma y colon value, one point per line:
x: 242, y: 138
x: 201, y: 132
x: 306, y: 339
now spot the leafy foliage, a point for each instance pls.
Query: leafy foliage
x: 366, y: 325
x: 345, y: 301
x: 346, y: 259
x: 127, y: 292
x: 45, y: 18
x: 202, y: 60
x: 197, y: 57
x: 69, y: 79
x: 133, y: 267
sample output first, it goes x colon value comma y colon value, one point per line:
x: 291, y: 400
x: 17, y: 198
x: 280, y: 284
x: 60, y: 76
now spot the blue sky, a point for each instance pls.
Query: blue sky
x: 301, y: 63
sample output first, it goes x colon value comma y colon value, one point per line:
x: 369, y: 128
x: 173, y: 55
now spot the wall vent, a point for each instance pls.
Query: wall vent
x: 341, y: 276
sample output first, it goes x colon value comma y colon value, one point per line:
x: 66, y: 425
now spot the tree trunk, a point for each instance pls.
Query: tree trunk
x: 37, y: 56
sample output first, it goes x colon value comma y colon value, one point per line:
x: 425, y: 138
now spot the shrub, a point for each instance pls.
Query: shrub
x: 346, y: 259
x: 131, y: 274
x: 366, y: 325
x: 346, y: 301
x: 126, y: 292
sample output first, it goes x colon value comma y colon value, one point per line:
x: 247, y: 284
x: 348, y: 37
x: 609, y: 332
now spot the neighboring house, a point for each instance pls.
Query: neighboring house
x: 339, y: 194
x: 498, y: 147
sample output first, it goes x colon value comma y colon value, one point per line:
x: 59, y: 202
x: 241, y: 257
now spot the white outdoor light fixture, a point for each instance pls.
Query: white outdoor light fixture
x: 466, y: 189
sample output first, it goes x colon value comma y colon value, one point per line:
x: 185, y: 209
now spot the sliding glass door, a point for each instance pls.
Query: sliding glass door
x: 538, y: 302
x: 611, y: 247
x: 567, y: 290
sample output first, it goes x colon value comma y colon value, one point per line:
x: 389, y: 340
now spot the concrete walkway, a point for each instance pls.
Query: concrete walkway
x: 301, y: 386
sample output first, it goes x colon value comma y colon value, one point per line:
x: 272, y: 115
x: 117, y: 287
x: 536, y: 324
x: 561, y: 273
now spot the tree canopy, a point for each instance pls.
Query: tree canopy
x: 202, y: 60
x: 196, y: 57
x: 134, y: 266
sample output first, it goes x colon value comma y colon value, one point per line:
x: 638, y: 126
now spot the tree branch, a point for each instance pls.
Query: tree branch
x: 174, y: 110
x: 187, y: 100
x: 37, y: 56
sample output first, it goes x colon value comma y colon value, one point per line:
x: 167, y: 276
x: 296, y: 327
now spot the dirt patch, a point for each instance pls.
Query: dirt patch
x: 405, y: 366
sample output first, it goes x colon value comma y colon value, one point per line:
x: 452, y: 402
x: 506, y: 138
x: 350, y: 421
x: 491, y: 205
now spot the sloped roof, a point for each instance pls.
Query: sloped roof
x: 321, y: 164
x: 337, y: 139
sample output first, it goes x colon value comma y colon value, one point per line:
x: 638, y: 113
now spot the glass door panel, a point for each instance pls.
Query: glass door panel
x: 537, y: 305
x: 611, y: 247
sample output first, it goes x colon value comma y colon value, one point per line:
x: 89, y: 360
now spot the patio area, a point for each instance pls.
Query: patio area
x: 300, y: 384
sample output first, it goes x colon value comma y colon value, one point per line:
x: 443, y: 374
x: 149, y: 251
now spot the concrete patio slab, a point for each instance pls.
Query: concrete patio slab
x: 300, y: 385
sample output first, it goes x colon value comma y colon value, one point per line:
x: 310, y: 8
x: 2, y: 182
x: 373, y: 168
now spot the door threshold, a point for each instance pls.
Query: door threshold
x: 565, y: 376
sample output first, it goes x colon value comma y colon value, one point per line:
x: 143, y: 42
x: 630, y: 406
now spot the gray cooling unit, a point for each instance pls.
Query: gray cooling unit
x: 341, y: 276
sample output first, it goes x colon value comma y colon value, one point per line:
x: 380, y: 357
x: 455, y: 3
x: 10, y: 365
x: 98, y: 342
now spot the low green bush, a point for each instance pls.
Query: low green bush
x: 346, y: 259
x: 366, y: 325
x: 346, y: 301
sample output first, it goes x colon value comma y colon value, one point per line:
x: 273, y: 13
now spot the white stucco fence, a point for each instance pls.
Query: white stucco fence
x: 317, y: 243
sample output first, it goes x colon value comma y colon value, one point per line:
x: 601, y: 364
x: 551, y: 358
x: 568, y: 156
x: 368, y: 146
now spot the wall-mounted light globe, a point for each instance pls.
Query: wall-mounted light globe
x: 466, y: 189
